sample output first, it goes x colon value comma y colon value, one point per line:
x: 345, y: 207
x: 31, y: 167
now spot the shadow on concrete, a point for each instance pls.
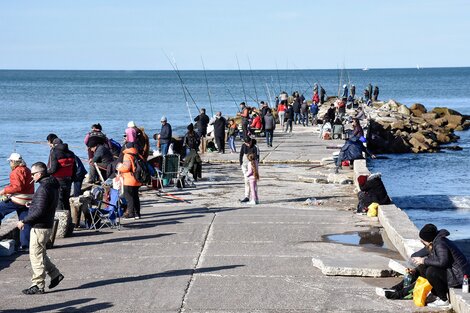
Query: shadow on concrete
x: 173, y: 273
x: 5, y: 261
x: 302, y: 199
x: 68, y: 306
x: 187, y: 211
x: 119, y: 239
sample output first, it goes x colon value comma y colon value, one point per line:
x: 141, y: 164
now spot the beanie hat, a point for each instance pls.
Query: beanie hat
x: 57, y: 141
x: 163, y: 119
x: 428, y: 232
x: 131, y: 124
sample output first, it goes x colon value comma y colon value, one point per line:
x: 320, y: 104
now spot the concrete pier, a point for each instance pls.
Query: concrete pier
x: 210, y: 253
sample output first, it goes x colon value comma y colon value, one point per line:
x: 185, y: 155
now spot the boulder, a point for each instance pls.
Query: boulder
x: 418, y: 136
x: 429, y: 116
x: 397, y: 125
x: 418, y: 146
x: 445, y: 111
x: 418, y: 109
x: 404, y: 110
x: 454, y: 121
x: 442, y: 137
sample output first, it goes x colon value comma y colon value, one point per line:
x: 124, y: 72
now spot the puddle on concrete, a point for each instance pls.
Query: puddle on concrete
x: 372, y: 238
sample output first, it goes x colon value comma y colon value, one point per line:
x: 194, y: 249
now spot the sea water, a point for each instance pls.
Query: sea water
x: 430, y: 187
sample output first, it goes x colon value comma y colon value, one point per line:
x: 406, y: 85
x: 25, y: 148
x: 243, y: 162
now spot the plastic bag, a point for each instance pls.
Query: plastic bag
x: 373, y: 209
x: 421, y: 290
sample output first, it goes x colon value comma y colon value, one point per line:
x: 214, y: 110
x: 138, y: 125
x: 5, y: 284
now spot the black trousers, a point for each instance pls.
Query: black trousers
x: 131, y: 194
x: 65, y: 187
x: 437, y: 277
x: 220, y: 141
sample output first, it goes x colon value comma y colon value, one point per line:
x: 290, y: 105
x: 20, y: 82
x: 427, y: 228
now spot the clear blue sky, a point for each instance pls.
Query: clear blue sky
x: 132, y: 35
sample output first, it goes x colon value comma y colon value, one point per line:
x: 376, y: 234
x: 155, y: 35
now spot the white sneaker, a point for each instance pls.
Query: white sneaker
x: 252, y: 202
x: 381, y: 292
x: 439, y: 303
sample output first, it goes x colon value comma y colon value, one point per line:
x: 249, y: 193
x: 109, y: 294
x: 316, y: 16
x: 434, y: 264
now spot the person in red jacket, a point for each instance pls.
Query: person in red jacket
x: 62, y: 166
x: 255, y: 124
x: 131, y: 185
x: 18, y: 194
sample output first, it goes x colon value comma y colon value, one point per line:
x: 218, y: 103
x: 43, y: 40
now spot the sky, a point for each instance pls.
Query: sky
x: 269, y: 34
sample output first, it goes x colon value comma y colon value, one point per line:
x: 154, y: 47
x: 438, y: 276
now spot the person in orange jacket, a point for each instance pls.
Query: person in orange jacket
x: 131, y: 185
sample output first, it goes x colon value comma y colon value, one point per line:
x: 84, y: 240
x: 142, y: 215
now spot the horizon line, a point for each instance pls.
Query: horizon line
x: 248, y: 69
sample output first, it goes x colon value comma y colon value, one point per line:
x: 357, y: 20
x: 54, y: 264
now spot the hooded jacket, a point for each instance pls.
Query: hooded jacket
x: 42, y: 208
x: 202, y: 121
x: 61, y: 162
x: 269, y: 122
x: 445, y: 254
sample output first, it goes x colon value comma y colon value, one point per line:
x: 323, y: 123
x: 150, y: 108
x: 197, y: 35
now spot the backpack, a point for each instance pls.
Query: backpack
x: 115, y: 147
x: 141, y: 171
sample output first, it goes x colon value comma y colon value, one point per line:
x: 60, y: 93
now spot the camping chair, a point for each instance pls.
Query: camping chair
x: 170, y: 169
x: 338, y: 131
x: 106, y: 216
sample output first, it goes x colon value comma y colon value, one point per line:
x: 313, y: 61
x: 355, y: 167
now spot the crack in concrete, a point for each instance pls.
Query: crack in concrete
x: 196, y: 266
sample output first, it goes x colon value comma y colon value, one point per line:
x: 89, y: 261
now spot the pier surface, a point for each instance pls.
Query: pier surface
x: 212, y: 253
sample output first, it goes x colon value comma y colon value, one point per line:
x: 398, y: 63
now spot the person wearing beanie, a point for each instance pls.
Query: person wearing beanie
x: 441, y: 262
x: 165, y: 136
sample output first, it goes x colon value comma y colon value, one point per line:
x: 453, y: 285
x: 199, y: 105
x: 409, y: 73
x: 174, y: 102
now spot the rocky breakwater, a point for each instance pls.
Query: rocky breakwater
x: 395, y: 128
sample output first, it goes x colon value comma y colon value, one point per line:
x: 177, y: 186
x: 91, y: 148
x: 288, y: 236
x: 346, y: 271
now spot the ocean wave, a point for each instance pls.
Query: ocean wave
x: 433, y: 202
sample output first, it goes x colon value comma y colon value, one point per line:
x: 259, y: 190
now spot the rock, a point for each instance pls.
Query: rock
x: 454, y: 148
x: 429, y: 116
x: 444, y: 112
x: 441, y: 137
x: 418, y: 146
x: 418, y: 109
x: 404, y: 110
x: 454, y: 120
x: 397, y: 125
x: 418, y: 136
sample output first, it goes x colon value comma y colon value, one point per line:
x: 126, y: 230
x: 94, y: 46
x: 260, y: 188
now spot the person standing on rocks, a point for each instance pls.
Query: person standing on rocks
x: 375, y: 93
x: 249, y: 147
x: 322, y: 95
x: 41, y: 218
x: 353, y: 91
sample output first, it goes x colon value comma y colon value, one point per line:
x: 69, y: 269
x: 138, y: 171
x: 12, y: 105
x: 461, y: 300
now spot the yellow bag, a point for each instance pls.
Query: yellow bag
x: 421, y: 290
x: 373, y: 209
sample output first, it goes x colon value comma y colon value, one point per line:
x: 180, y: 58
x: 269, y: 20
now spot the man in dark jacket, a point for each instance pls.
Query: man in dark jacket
x: 102, y: 157
x: 375, y: 94
x: 372, y: 190
x: 220, y: 123
x: 62, y: 166
x: 165, y: 136
x: 41, y: 218
x: 202, y: 120
x: 352, y: 150
x: 440, y: 262
x: 269, y: 126
x: 322, y: 95
x: 296, y: 107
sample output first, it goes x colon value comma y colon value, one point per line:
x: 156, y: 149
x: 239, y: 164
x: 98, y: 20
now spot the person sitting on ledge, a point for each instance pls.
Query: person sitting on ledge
x: 440, y: 261
x: 352, y: 150
x: 372, y: 190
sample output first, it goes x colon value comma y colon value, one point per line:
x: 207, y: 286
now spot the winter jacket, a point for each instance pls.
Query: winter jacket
x: 103, y: 155
x: 220, y: 124
x: 315, y: 98
x: 191, y: 141
x: 296, y: 106
x: 42, y: 208
x: 281, y: 108
x: 61, y: 162
x: 353, y: 149
x: 94, y: 138
x: 202, y: 121
x: 314, y: 109
x: 127, y: 168
x: 165, y: 134
x: 245, y: 150
x: 269, y: 122
x: 21, y: 187
x: 256, y: 123
x: 358, y: 131
x: 289, y: 113
x: 445, y: 254
x: 233, y: 129
x: 375, y: 189
x: 304, y: 108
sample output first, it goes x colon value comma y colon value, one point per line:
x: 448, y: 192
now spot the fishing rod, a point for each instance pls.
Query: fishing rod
x: 42, y: 143
x: 253, y: 78
x: 231, y: 95
x: 339, y: 80
x: 185, y: 87
x: 278, y: 78
x: 182, y: 87
x: 243, y: 86
x: 207, y: 84
x: 269, y: 96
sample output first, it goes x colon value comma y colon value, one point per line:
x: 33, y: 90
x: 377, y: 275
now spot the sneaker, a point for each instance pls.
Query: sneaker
x: 33, y: 290
x: 246, y: 199
x: 137, y: 218
x: 384, y: 292
x: 23, y: 249
x: 252, y: 202
x: 56, y: 281
x: 438, y: 303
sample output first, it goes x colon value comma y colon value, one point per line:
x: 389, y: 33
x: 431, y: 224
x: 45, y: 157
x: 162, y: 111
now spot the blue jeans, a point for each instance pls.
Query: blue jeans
x: 164, y: 148
x: 7, y: 207
x: 269, y: 136
x: 296, y: 118
x: 231, y: 143
x: 304, y: 117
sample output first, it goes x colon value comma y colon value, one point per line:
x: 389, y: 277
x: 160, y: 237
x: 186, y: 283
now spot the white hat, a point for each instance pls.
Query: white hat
x: 344, y: 86
x: 163, y: 119
x: 15, y: 157
x: 131, y: 124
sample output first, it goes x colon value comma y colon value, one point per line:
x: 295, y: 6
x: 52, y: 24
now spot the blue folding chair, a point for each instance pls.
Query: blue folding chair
x: 110, y: 215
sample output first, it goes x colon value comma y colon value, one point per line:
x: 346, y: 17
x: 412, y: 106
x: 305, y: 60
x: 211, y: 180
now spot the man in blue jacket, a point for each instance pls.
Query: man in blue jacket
x: 165, y: 136
x: 41, y: 218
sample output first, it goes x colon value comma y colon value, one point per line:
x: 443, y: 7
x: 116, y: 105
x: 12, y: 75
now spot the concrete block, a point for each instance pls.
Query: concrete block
x: 65, y: 227
x: 360, y: 169
x: 460, y: 301
x: 7, y: 247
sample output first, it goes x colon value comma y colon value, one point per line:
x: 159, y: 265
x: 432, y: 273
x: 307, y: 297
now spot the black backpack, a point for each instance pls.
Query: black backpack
x: 141, y: 171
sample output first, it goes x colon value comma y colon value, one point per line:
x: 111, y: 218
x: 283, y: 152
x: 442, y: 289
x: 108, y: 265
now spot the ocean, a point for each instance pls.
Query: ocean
x: 430, y: 187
